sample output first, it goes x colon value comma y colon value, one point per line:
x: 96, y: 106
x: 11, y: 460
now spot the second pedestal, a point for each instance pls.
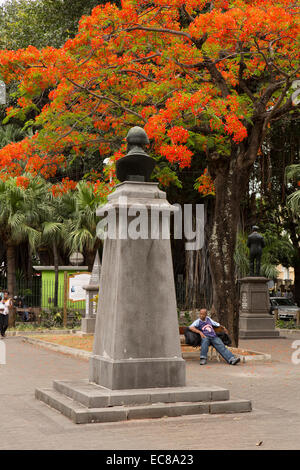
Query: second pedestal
x: 255, y: 320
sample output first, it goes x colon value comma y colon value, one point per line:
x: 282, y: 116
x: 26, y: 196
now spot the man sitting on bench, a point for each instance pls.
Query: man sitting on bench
x: 204, y: 327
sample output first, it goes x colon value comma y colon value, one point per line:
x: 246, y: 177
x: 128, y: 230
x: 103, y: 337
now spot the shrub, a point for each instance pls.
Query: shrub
x: 53, y: 318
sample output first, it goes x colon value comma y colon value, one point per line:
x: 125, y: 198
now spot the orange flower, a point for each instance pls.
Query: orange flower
x: 22, y: 182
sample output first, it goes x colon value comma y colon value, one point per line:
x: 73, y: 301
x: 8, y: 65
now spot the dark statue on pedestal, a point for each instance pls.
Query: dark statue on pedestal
x: 256, y: 243
x: 255, y: 320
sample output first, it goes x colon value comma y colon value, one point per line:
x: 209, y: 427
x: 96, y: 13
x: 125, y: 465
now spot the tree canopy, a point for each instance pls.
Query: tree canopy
x: 197, y: 75
x: 205, y: 79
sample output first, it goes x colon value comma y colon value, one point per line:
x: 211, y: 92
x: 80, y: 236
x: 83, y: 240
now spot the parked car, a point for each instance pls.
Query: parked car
x: 287, y: 309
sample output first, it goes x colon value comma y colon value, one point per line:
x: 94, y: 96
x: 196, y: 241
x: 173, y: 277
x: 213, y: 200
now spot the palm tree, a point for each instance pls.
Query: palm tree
x: 10, y: 133
x: 51, y: 235
x: 292, y: 173
x: 60, y: 211
x: 21, y: 212
x: 80, y: 230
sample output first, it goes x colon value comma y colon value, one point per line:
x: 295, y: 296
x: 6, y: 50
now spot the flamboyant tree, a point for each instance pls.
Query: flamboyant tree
x: 197, y: 75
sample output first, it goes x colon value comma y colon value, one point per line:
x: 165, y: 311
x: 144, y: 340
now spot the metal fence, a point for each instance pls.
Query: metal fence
x: 41, y: 294
x: 26, y: 290
x: 47, y: 297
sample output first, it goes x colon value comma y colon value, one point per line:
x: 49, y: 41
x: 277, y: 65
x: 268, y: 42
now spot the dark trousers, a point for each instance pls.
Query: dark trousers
x: 3, y: 323
x: 257, y: 267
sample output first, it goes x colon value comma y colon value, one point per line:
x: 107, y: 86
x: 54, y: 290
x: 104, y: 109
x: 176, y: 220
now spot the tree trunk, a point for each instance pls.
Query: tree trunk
x: 295, y: 240
x: 191, y: 278
x: 55, y: 257
x: 297, y: 279
x: 90, y: 258
x: 11, y: 269
x: 198, y: 291
x: 230, y: 183
x: 29, y: 267
x: 11, y: 279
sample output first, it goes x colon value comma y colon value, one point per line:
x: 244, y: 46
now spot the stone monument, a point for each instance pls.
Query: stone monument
x: 92, y: 289
x: 255, y: 319
x: 137, y: 342
x: 136, y: 367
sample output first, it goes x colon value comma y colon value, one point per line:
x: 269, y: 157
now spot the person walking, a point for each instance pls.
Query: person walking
x: 5, y: 305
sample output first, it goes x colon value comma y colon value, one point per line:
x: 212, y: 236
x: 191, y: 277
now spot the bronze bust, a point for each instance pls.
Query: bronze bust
x: 136, y: 165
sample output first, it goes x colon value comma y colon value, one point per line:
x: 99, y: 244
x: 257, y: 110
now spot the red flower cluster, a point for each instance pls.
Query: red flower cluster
x: 65, y: 186
x: 22, y: 182
x: 234, y: 127
x: 204, y: 184
x: 178, y: 135
x: 177, y: 154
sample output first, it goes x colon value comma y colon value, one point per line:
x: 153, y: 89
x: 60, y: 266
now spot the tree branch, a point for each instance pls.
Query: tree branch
x: 217, y: 76
x: 288, y: 106
x: 160, y: 30
x: 242, y: 84
x: 105, y: 98
x: 148, y: 79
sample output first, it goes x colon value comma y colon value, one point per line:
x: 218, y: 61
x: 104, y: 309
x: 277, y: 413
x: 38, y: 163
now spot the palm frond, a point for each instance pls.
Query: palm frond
x: 269, y: 270
x: 293, y: 202
x: 292, y: 173
x: 241, y: 255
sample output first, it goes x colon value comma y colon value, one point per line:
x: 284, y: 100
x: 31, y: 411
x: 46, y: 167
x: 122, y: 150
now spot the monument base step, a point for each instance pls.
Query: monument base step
x: 85, y: 402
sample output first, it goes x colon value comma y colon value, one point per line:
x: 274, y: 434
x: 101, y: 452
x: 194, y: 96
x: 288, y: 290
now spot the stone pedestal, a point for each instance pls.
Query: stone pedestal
x: 92, y: 289
x: 88, y: 326
x: 255, y: 319
x: 89, y: 321
x: 137, y: 342
x: 137, y: 370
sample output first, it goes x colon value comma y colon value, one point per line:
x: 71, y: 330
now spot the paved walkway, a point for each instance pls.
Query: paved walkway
x: 273, y: 387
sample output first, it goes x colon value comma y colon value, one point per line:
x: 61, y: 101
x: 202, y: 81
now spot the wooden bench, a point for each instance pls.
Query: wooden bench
x: 31, y: 313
